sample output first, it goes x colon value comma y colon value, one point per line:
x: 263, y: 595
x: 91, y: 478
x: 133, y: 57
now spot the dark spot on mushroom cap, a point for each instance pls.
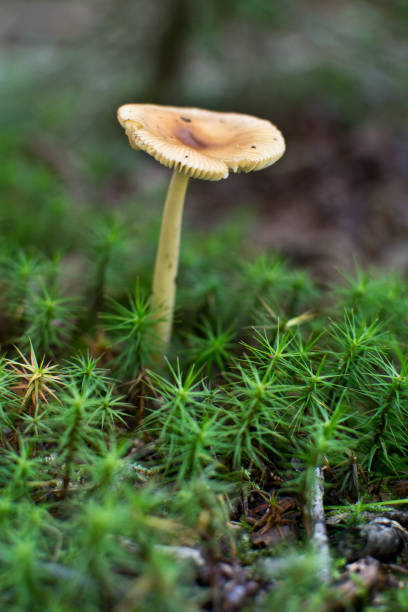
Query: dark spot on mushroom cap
x: 188, y: 138
x: 253, y: 147
x: 186, y: 119
x: 274, y: 138
x: 186, y: 156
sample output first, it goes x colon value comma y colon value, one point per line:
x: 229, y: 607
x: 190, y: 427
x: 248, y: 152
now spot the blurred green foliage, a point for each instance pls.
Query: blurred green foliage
x: 252, y: 55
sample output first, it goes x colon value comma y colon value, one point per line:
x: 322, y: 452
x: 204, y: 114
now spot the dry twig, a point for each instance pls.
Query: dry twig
x: 318, y: 525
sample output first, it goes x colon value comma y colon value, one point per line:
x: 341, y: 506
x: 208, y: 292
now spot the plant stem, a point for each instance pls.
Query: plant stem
x: 165, y: 270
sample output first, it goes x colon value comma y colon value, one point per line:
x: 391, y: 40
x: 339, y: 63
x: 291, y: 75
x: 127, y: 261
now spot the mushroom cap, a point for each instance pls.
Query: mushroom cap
x: 200, y: 143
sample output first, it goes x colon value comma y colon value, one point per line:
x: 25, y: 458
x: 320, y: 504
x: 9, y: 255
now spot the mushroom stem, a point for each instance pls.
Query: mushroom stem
x: 165, y: 270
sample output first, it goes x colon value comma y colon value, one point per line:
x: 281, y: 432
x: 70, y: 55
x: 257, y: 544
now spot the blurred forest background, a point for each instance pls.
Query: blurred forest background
x: 333, y: 76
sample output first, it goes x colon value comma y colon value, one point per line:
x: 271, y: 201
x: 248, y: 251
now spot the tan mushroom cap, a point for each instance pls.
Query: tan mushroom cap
x: 200, y: 143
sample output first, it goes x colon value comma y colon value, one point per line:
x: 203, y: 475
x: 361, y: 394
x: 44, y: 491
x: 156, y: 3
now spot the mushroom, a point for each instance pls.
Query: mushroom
x: 200, y: 144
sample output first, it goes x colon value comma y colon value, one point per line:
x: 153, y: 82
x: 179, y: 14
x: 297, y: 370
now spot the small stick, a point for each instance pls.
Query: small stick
x: 318, y: 525
x: 391, y: 513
